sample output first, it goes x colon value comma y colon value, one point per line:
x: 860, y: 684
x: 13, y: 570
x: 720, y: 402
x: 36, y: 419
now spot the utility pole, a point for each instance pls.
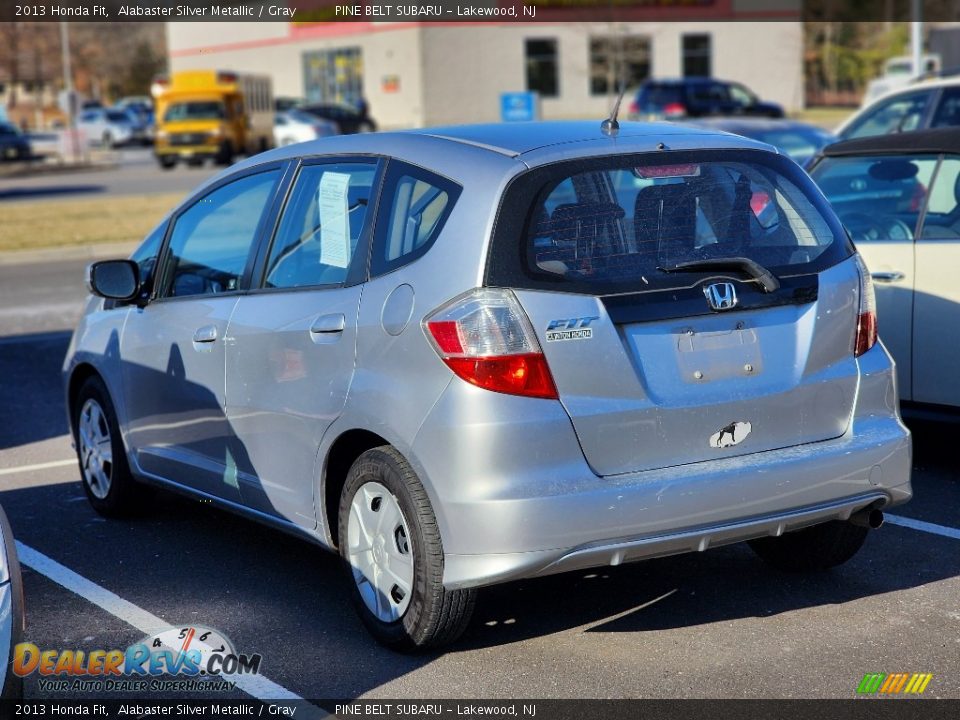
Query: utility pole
x: 916, y: 38
x: 68, y: 88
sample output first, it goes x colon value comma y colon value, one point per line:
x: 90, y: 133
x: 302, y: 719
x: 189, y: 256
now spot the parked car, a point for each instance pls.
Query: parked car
x: 920, y: 106
x: 294, y: 126
x: 110, y: 127
x: 12, y: 624
x: 348, y: 118
x: 697, y: 97
x: 141, y: 108
x: 466, y: 355
x: 798, y: 140
x: 14, y: 145
x: 283, y: 103
x: 899, y: 196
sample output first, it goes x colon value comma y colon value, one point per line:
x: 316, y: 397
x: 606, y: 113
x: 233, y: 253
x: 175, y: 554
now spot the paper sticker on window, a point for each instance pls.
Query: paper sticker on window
x: 334, y: 220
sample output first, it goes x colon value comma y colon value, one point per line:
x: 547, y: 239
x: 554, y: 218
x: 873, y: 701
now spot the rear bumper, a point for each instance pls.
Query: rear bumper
x: 515, y: 498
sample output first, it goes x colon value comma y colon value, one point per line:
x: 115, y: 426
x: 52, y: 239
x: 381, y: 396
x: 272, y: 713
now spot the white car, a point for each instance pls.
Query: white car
x: 899, y: 197
x: 110, y: 127
x: 11, y: 612
x: 919, y: 106
x: 294, y: 126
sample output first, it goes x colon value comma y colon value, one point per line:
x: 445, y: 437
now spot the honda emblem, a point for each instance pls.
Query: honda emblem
x: 721, y: 296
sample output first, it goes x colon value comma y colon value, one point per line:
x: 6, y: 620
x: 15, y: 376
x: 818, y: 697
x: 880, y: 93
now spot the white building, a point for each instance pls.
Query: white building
x: 419, y: 74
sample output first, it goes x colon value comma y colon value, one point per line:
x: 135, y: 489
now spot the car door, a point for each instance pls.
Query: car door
x: 936, y: 305
x: 292, y: 341
x: 172, y: 349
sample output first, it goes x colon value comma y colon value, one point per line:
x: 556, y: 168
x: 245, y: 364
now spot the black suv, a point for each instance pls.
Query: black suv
x: 697, y: 97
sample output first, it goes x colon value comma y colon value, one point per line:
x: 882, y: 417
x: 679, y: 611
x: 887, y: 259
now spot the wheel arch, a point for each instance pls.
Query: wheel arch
x: 78, y: 376
x: 348, y: 446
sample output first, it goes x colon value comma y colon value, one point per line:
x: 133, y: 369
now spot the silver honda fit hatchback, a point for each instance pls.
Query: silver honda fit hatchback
x: 461, y: 356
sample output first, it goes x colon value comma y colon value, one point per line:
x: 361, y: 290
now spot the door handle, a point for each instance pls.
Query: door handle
x: 328, y: 324
x: 206, y: 334
x: 889, y: 276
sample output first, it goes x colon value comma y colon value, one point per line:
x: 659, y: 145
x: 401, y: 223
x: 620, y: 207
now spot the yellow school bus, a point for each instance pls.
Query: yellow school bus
x: 211, y: 114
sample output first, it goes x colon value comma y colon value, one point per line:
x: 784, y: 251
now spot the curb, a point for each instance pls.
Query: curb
x: 97, y: 251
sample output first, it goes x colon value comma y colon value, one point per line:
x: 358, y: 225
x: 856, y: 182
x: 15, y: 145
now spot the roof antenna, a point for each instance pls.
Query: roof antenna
x: 611, y: 125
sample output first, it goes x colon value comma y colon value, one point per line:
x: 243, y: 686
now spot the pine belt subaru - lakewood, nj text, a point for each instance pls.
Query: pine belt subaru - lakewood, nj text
x: 461, y: 356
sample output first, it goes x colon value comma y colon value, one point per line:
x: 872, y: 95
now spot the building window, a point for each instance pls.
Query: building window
x: 333, y: 75
x: 541, y: 55
x: 696, y: 56
x: 624, y: 58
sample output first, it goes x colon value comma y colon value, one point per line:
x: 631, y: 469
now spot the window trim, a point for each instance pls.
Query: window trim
x: 394, y: 171
x: 163, y: 278
x: 357, y: 272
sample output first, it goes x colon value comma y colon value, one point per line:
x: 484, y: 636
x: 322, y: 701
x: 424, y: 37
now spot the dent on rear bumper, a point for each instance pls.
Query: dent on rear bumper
x: 517, y: 498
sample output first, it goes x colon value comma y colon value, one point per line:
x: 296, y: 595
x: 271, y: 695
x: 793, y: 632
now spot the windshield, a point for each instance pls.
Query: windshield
x: 877, y: 197
x: 195, y: 110
x: 118, y: 116
x: 623, y: 224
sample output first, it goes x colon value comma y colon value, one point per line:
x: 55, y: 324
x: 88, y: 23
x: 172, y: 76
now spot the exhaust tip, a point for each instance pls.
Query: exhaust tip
x: 870, y: 518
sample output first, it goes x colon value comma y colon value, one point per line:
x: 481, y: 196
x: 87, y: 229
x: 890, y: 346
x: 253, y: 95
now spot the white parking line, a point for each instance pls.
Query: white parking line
x: 923, y: 526
x: 38, y: 466
x: 256, y: 686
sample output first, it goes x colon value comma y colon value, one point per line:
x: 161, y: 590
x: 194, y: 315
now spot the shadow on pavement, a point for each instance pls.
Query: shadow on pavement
x: 31, y: 193
x: 32, y: 407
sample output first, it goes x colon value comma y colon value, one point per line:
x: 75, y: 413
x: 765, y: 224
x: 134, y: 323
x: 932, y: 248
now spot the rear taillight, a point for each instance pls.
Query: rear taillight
x: 867, y: 313
x: 634, y: 108
x: 485, y: 338
x: 674, y: 109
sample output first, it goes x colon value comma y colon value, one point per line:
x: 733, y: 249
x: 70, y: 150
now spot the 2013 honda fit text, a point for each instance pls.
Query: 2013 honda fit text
x: 461, y: 356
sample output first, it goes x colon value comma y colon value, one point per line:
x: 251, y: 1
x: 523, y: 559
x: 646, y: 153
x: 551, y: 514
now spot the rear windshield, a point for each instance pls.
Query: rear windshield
x: 624, y: 223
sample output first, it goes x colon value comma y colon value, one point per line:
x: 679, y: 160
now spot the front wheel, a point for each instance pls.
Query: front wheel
x: 393, y: 556
x: 104, y: 471
x: 819, y: 547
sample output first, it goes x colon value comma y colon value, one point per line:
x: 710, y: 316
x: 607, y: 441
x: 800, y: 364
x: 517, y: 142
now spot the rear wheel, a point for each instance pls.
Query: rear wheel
x: 167, y: 162
x: 819, y: 547
x: 104, y: 471
x: 393, y: 556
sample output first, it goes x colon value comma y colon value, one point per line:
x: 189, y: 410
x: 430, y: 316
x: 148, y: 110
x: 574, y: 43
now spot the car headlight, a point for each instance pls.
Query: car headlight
x: 162, y: 134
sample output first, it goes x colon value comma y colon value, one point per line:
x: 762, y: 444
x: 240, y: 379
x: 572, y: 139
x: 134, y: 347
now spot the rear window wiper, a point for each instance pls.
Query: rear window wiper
x: 768, y: 281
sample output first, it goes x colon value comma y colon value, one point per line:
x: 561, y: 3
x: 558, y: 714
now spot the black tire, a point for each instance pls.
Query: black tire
x: 819, y: 547
x: 167, y: 162
x: 225, y: 155
x: 435, y: 616
x: 107, y: 140
x: 11, y: 684
x: 123, y: 496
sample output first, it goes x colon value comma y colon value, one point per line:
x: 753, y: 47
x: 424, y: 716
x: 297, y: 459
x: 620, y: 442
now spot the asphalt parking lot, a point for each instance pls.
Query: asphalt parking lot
x: 717, y: 624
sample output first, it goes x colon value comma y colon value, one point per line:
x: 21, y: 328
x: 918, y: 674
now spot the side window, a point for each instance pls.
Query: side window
x: 211, y: 241
x: 948, y: 109
x: 899, y: 114
x: 324, y: 219
x: 416, y: 205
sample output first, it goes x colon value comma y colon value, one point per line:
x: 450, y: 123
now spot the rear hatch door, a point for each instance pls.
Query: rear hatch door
x: 690, y: 308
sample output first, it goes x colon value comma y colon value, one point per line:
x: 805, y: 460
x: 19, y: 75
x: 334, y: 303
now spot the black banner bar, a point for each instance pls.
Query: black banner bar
x: 326, y: 11
x: 872, y: 708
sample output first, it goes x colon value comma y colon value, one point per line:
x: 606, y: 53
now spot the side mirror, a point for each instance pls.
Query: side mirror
x: 114, y: 279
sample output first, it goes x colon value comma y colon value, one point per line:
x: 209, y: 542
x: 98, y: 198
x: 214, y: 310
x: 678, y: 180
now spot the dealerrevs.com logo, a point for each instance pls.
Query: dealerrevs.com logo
x: 175, y: 659
x: 894, y: 683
